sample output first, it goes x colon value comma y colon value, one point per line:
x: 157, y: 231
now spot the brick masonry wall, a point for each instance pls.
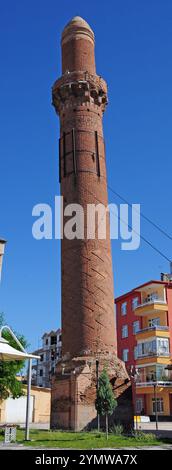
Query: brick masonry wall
x: 88, y: 325
x: 87, y: 282
x: 88, y: 320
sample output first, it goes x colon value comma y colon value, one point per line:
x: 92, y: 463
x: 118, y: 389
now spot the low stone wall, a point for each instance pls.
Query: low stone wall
x: 41, y: 405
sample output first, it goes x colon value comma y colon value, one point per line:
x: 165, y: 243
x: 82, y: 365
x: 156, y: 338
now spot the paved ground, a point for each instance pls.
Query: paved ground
x: 37, y: 426
x: 164, y: 429
x: 22, y: 447
x: 166, y: 426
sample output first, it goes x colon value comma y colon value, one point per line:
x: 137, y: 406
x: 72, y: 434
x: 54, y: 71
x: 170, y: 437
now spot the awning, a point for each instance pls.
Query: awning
x: 7, y: 353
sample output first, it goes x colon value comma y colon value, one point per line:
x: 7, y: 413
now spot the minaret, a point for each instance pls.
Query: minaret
x: 88, y: 326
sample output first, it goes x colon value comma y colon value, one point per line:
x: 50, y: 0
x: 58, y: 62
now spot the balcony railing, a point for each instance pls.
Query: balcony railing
x: 153, y: 354
x: 155, y: 327
x: 160, y: 383
x: 151, y: 300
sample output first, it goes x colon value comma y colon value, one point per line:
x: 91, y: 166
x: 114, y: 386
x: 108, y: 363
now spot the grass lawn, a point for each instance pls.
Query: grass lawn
x: 84, y: 440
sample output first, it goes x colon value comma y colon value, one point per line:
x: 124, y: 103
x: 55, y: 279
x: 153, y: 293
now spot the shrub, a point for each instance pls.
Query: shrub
x: 142, y: 436
x: 118, y: 430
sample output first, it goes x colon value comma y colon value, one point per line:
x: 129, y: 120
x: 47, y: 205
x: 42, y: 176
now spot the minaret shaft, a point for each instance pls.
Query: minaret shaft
x: 80, y: 97
x: 88, y: 326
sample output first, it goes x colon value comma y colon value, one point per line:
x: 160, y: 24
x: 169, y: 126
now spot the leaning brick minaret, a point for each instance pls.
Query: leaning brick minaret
x: 88, y: 326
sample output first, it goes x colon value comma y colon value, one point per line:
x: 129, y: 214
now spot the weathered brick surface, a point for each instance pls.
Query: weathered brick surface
x: 78, y: 47
x: 88, y: 327
x: 87, y: 280
x: 74, y: 393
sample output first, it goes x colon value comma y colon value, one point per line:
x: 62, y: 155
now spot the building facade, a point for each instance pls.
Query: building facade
x: 144, y: 338
x: 50, y: 353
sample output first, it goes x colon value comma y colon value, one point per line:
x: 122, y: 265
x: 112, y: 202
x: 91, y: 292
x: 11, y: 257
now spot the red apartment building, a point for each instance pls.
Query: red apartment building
x: 144, y: 340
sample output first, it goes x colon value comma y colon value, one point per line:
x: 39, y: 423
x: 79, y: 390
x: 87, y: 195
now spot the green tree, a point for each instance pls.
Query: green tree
x: 9, y: 385
x: 105, y: 401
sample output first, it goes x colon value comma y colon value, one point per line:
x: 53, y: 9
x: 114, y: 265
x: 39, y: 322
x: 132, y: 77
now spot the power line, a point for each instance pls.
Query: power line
x: 153, y: 247
x: 141, y: 213
x: 141, y: 236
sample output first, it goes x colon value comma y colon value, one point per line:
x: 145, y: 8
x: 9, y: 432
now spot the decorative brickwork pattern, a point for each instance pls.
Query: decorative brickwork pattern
x: 88, y: 326
x: 80, y: 97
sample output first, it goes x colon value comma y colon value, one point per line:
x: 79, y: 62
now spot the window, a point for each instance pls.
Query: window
x: 124, y: 308
x: 135, y: 302
x: 41, y: 372
x: 157, y: 404
x: 154, y: 322
x: 162, y: 373
x: 41, y: 358
x: 147, y: 349
x: 136, y: 327
x: 125, y: 331
x: 162, y: 346
x: 156, y: 347
x: 46, y: 341
x: 53, y: 355
x: 139, y: 405
x: 47, y: 355
x: 60, y: 337
x: 53, y: 340
x: 135, y: 352
x: 151, y: 297
x: 125, y: 355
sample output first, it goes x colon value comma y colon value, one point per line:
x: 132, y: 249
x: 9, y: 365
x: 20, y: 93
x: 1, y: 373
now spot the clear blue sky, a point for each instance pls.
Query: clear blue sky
x: 133, y: 53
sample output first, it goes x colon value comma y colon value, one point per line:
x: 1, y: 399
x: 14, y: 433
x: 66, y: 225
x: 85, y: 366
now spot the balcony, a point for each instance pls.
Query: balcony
x: 154, y: 375
x: 154, y: 354
x: 151, y: 305
x: 157, y: 330
x: 158, y: 383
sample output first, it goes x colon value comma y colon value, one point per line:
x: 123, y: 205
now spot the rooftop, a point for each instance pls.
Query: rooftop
x: 142, y: 286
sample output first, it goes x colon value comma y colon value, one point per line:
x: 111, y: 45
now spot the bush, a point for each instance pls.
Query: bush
x: 142, y: 436
x: 118, y: 430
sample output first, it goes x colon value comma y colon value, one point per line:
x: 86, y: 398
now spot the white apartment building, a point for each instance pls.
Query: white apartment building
x: 50, y: 353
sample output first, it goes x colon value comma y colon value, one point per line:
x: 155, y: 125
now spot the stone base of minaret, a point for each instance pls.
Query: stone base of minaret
x: 74, y: 393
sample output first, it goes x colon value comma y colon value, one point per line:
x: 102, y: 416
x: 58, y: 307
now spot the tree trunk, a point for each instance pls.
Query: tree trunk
x: 106, y: 426
x: 98, y: 422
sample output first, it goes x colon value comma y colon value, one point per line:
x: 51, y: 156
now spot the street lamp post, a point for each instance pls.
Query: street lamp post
x: 9, y: 353
x: 156, y: 409
x: 133, y: 375
x: 29, y: 378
